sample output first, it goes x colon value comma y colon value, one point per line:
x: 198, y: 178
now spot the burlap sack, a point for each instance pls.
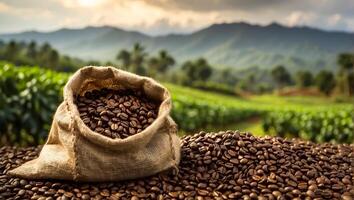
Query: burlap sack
x: 74, y: 152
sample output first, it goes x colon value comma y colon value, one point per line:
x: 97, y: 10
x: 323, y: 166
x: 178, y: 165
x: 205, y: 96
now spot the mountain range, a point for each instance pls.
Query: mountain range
x: 238, y: 45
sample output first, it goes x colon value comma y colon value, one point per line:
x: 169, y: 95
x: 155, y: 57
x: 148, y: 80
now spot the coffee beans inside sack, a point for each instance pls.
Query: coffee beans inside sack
x: 116, y: 113
x: 111, y: 126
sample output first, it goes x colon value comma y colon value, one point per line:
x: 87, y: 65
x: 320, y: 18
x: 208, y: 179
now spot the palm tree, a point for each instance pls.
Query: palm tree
x: 137, y: 59
x: 125, y: 58
x: 53, y: 59
x: 346, y: 64
x: 161, y: 63
x: 165, y: 61
x: 281, y: 76
x: 32, y: 51
x: 12, y: 50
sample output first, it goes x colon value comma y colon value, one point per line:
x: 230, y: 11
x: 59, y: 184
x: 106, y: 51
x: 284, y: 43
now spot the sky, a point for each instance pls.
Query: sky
x: 158, y: 17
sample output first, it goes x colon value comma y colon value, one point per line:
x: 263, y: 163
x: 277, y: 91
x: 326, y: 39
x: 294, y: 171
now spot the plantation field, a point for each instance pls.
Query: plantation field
x: 30, y: 95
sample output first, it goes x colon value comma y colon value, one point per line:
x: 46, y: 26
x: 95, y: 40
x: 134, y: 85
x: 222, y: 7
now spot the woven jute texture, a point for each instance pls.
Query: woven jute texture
x: 74, y: 152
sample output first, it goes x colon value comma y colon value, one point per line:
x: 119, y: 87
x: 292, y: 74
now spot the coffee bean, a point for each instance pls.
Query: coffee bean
x: 121, y: 111
x: 212, y: 166
x: 244, y: 161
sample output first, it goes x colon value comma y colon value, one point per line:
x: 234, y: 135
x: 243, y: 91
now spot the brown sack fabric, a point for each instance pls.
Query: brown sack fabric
x: 74, y: 152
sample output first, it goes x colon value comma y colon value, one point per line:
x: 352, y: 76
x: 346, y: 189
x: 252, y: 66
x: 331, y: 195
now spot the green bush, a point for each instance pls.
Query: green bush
x: 330, y: 125
x: 28, y: 99
x: 191, y: 114
x: 214, y: 87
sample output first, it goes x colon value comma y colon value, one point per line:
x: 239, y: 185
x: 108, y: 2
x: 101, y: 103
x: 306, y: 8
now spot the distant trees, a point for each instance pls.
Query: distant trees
x: 138, y: 61
x: 33, y: 54
x: 32, y: 50
x: 304, y: 79
x: 227, y: 77
x: 281, y: 76
x: 133, y: 60
x: 161, y: 63
x: 137, y: 57
x: 345, y: 62
x: 198, y: 70
x: 325, y: 81
x: 124, y: 57
x: 195, y: 73
x: 11, y: 50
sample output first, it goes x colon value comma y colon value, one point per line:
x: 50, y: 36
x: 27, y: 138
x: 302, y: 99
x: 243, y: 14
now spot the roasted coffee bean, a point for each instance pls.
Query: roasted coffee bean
x: 108, y: 111
x: 212, y: 166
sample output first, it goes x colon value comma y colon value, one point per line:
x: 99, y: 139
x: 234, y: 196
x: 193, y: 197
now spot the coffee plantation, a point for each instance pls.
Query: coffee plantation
x: 318, y: 126
x: 30, y: 95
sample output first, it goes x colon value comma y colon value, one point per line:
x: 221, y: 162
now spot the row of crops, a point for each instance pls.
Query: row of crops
x: 30, y: 95
x: 325, y: 125
x: 191, y: 114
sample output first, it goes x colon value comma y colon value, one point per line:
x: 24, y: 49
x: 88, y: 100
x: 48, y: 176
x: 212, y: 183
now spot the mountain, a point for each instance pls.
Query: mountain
x: 238, y: 45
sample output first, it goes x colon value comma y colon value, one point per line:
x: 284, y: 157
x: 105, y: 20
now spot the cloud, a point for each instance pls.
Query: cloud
x: 215, y: 5
x: 299, y: 18
x: 166, y: 16
x: 4, y: 7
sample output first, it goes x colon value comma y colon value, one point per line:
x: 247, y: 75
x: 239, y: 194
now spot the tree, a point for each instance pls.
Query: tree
x: 325, y: 81
x: 53, y: 59
x: 250, y: 83
x: 304, y: 79
x: 346, y: 63
x: 32, y: 51
x: 45, y: 48
x: 198, y: 70
x: 133, y: 61
x: 204, y: 69
x: 228, y: 77
x: 43, y: 55
x: 190, y: 71
x: 161, y: 63
x: 124, y: 57
x: 137, y: 59
x: 281, y: 76
x: 11, y: 51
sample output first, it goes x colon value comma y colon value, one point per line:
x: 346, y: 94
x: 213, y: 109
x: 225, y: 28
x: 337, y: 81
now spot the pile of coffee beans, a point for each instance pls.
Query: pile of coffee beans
x: 116, y: 113
x: 224, y: 165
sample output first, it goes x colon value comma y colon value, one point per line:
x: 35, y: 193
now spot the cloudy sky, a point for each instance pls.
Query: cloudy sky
x: 166, y: 16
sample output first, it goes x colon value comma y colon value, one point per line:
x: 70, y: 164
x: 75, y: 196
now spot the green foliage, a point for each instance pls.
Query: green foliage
x: 327, y: 125
x: 133, y: 60
x: 346, y: 61
x: 281, y: 76
x: 346, y: 72
x: 214, y: 87
x: 28, y: 99
x: 33, y: 54
x: 161, y: 63
x: 304, y: 79
x: 191, y: 114
x: 30, y: 95
x: 198, y: 70
x: 325, y: 82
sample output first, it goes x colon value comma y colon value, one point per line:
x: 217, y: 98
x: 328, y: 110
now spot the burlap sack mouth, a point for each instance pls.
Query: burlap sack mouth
x: 113, y: 78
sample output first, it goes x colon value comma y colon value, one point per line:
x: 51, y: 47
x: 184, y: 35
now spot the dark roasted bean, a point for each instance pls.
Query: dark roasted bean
x: 104, y: 110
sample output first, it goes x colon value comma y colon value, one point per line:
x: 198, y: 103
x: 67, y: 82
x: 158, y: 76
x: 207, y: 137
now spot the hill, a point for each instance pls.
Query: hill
x: 238, y: 45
